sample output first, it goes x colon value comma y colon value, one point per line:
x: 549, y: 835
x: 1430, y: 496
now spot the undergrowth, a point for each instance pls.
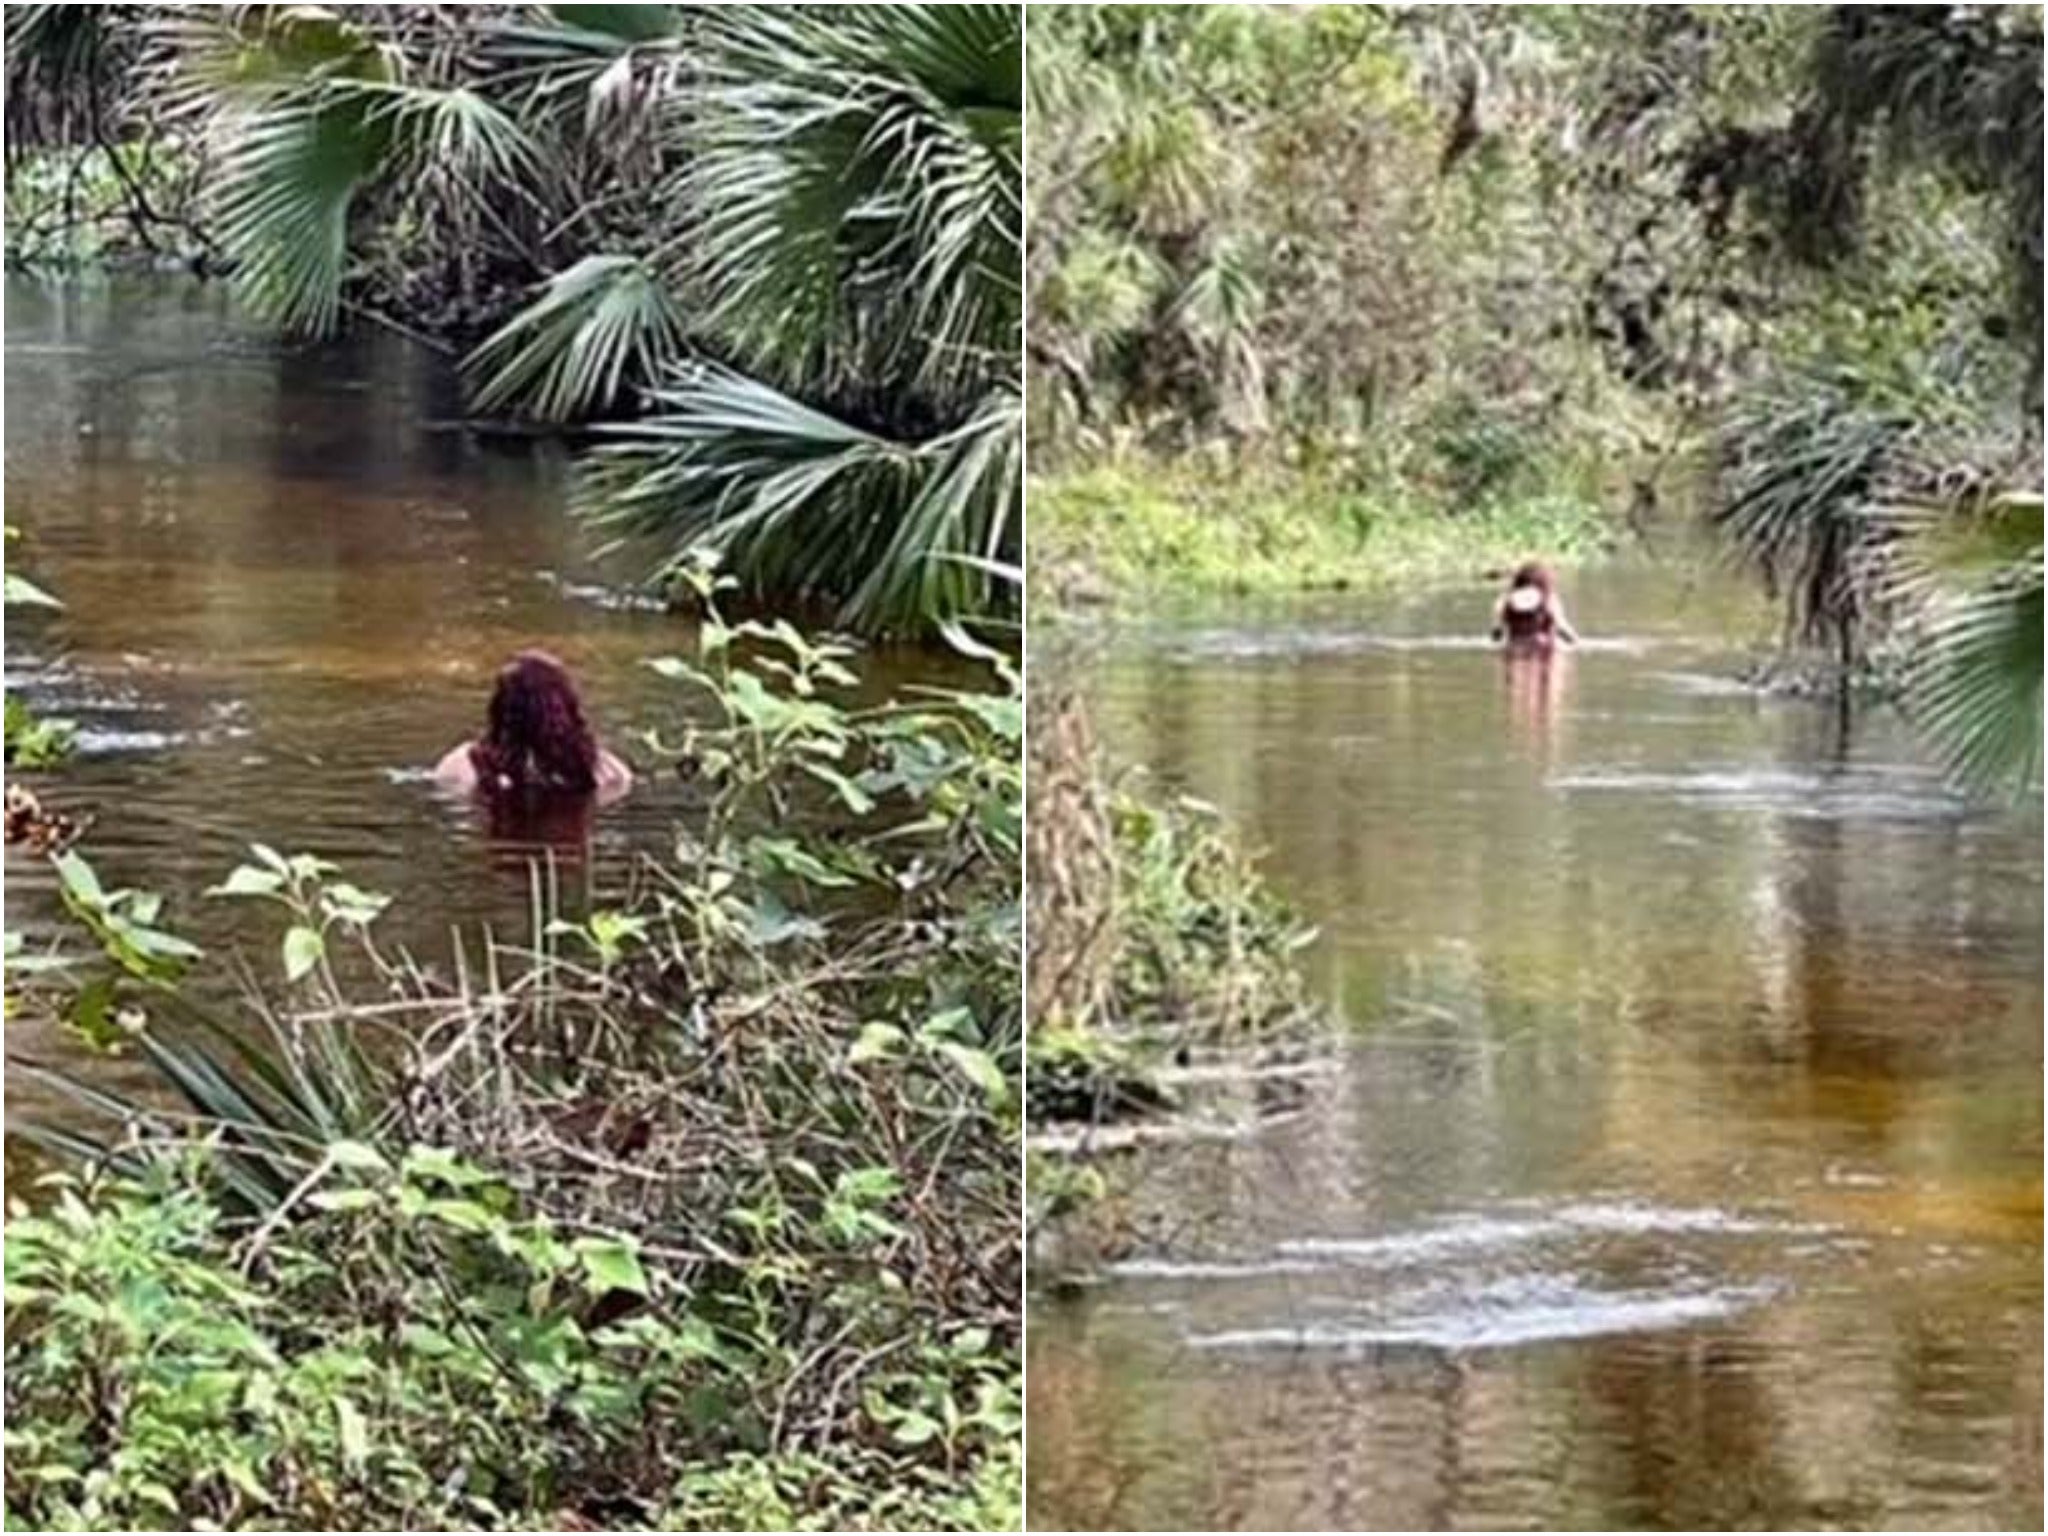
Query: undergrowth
x: 1149, y: 531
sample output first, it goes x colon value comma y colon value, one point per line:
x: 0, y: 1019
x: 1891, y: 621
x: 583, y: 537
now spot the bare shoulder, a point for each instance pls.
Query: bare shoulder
x: 455, y: 769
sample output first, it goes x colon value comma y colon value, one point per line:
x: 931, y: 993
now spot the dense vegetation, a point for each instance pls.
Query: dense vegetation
x: 1351, y: 293
x: 1154, y: 946
x: 699, y: 1212
x: 773, y: 253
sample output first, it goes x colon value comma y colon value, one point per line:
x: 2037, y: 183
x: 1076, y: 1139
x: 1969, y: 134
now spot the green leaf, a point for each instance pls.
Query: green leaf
x: 80, y: 880
x: 21, y: 592
x: 611, y: 1264
x: 352, y: 904
x: 464, y: 1215
x: 353, y: 1433
x: 357, y: 1156
x: 876, y: 1042
x: 243, y: 1477
x: 248, y: 880
x: 979, y: 1068
x: 303, y: 949
x: 855, y: 799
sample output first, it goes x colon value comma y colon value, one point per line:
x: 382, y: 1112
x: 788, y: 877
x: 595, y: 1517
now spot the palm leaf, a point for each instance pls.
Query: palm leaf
x: 1970, y: 572
x: 308, y: 111
x: 604, y: 324
x: 291, y: 173
x: 800, y: 501
x: 1801, y: 459
x: 854, y: 190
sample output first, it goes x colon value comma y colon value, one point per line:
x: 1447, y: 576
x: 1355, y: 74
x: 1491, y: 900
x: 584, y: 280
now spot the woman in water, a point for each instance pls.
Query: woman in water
x: 1530, y: 619
x: 1530, y: 615
x: 536, y: 743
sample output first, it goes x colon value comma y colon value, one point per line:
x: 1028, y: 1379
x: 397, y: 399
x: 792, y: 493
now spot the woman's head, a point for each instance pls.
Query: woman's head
x: 536, y: 737
x: 1533, y: 573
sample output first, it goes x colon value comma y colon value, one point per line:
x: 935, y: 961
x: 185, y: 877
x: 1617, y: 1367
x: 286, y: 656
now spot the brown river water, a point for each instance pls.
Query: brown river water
x: 289, y: 576
x: 1679, y: 1164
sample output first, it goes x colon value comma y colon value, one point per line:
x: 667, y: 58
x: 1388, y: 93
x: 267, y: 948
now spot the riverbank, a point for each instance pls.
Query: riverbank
x: 1133, y: 531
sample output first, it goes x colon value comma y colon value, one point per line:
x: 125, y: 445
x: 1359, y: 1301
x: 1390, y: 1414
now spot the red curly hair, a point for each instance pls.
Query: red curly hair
x: 537, y: 737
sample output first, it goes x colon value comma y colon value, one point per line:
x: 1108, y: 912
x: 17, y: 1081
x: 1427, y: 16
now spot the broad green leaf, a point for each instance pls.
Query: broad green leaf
x: 611, y: 1264
x: 303, y: 949
x: 248, y: 880
x: 80, y: 880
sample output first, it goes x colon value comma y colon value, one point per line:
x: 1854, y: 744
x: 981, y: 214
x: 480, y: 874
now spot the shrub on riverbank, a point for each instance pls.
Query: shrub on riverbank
x: 699, y: 1212
x: 1151, y: 933
x: 1153, y: 942
x: 1151, y: 531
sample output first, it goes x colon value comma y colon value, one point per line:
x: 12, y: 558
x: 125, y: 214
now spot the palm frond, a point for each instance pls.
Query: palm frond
x: 291, y: 173
x: 602, y: 325
x: 267, y: 1122
x: 958, y: 530
x: 308, y: 110
x: 801, y: 502
x: 57, y: 55
x: 588, y: 68
x: 1976, y: 687
x: 1971, y: 574
x: 855, y: 191
x: 1800, y: 460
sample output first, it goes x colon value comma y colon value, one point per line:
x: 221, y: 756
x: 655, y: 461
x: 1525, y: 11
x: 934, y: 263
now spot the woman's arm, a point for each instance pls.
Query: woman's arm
x: 456, y: 769
x: 614, y: 778
x: 1560, y: 623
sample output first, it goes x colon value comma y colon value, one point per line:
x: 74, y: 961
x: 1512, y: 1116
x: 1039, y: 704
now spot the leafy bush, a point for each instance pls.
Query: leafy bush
x: 414, y: 1350
x: 1153, y: 529
x: 1151, y: 932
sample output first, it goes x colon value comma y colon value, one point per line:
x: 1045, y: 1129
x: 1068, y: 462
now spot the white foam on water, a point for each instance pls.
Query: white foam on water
x: 1460, y: 1235
x: 1890, y: 796
x: 106, y: 741
x: 1548, y: 1313
x: 1481, y: 1232
x: 1211, y: 1269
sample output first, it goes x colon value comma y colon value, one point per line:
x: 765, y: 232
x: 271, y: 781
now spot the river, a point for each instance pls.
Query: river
x: 1679, y: 1161
x: 289, y: 574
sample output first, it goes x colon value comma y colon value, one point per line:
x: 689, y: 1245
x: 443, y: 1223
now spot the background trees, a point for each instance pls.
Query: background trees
x: 1780, y: 264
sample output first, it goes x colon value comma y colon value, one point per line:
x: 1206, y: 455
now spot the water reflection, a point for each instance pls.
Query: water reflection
x: 1538, y: 684
x: 1684, y: 1169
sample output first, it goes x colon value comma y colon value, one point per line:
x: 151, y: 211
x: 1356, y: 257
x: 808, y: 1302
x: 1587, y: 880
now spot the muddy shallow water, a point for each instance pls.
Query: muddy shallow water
x: 289, y: 575
x: 1680, y: 1166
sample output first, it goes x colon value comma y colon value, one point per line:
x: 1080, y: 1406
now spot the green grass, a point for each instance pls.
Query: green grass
x: 1150, y: 531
